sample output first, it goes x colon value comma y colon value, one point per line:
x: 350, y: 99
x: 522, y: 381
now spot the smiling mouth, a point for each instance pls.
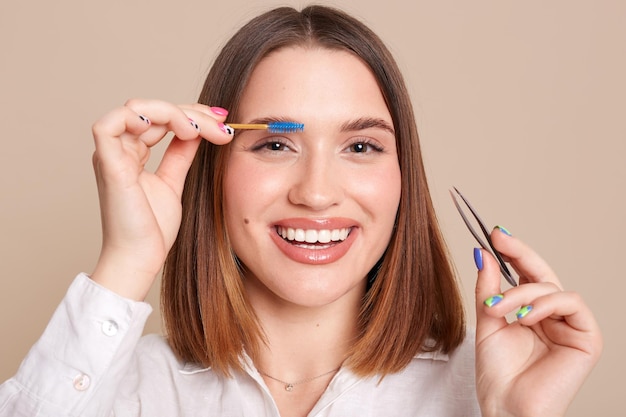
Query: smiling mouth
x: 313, y: 237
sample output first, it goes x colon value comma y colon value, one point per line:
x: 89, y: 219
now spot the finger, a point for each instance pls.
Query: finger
x: 180, y: 154
x: 113, y: 126
x: 487, y: 290
x: 522, y: 295
x: 209, y: 128
x: 525, y: 261
x: 166, y: 116
x: 187, y: 122
x: 567, y: 306
x: 565, y: 320
x: 206, y: 114
x: 176, y: 162
x: 218, y: 113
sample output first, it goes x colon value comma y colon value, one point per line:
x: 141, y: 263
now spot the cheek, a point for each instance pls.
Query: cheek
x: 237, y: 197
x: 381, y: 190
x: 235, y: 187
x: 248, y: 188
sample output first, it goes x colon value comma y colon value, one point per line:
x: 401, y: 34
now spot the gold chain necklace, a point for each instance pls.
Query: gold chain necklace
x: 289, y: 385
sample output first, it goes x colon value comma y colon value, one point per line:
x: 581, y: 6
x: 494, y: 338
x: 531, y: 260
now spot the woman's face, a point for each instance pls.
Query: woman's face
x: 310, y: 213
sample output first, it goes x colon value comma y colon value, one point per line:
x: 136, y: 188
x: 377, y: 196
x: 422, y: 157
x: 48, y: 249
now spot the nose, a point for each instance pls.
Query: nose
x: 317, y: 183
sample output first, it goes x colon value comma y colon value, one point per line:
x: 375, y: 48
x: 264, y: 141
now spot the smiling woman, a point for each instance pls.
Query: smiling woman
x: 304, y: 270
x: 316, y: 181
x: 313, y: 180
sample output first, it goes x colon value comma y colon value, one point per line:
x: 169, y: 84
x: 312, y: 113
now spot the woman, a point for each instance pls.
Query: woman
x: 304, y: 272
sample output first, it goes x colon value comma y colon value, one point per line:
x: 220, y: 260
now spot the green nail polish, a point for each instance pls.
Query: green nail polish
x: 503, y: 230
x: 523, y: 312
x: 492, y: 301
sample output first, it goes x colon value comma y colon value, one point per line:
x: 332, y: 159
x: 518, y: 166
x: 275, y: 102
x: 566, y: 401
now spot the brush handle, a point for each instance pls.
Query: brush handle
x: 249, y: 126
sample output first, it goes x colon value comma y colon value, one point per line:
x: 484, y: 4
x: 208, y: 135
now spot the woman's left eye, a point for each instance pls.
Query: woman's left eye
x: 364, y: 147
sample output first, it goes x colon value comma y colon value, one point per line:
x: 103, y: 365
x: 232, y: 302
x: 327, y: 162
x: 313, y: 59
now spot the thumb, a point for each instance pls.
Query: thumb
x: 488, y: 293
x: 176, y: 162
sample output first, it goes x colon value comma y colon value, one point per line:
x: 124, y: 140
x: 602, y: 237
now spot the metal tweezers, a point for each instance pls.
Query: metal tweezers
x: 503, y: 268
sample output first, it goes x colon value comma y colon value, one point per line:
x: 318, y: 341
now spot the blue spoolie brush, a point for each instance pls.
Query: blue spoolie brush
x: 272, y: 127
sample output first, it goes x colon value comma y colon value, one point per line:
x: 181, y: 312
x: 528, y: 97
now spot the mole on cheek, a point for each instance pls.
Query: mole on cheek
x: 246, y: 221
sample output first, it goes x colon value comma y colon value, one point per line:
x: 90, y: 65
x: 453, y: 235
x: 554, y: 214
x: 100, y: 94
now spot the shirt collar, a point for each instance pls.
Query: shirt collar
x: 192, y: 368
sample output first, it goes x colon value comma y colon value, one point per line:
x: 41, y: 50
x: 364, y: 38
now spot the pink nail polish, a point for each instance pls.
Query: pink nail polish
x: 219, y: 111
x: 226, y: 129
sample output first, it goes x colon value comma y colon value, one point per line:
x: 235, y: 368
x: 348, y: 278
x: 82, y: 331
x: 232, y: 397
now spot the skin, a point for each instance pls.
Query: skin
x: 326, y: 177
x: 339, y: 173
x: 532, y: 366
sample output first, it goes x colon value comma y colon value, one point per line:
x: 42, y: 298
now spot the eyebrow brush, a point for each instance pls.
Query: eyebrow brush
x: 272, y: 127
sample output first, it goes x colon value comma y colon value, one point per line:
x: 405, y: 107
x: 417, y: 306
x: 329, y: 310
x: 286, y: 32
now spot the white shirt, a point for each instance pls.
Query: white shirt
x: 92, y: 361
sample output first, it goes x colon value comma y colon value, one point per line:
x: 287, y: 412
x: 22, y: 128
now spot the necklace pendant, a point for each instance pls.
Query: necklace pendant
x: 289, y: 387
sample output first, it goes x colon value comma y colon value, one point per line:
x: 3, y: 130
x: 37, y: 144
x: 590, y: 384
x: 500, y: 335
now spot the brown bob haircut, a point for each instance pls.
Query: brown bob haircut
x: 412, y: 303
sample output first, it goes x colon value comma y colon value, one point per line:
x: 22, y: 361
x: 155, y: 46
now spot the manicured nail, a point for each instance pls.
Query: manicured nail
x: 523, y: 312
x: 478, y: 258
x: 194, y: 124
x: 503, y: 230
x: 219, y: 111
x: 226, y: 129
x: 145, y: 119
x: 492, y: 301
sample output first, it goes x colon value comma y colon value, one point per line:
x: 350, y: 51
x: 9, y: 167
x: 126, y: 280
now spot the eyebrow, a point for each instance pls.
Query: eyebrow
x: 265, y: 121
x: 271, y: 119
x: 361, y: 123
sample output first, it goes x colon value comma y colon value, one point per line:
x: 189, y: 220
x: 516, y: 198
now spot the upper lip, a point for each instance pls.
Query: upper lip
x: 329, y: 223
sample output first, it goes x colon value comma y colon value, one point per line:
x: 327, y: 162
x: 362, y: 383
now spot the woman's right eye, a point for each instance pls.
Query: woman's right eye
x: 271, y: 146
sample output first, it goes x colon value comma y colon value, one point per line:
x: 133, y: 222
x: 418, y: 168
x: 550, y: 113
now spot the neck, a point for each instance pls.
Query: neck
x: 305, y: 345
x: 304, y: 342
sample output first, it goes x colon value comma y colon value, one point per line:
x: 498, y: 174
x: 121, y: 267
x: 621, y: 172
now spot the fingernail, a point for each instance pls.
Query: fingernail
x: 145, y: 119
x: 226, y: 129
x: 523, y: 312
x: 478, y: 258
x: 194, y: 124
x: 219, y: 111
x: 503, y: 230
x: 492, y: 301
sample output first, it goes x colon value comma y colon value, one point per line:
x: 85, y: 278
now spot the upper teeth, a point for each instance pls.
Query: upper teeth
x: 312, y: 235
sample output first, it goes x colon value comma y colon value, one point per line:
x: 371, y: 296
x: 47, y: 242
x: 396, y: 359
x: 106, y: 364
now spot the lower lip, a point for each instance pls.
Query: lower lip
x: 318, y: 256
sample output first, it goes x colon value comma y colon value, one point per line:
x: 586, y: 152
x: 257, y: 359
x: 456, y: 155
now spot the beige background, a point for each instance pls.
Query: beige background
x: 521, y: 105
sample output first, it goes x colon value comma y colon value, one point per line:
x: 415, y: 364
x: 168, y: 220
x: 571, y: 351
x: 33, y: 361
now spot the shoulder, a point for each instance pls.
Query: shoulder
x: 464, y: 352
x: 154, y: 356
x: 443, y: 372
x: 153, y: 342
x: 433, y: 383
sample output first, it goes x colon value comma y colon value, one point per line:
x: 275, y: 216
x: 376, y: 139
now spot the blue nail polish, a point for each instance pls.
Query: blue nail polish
x: 523, y: 312
x: 478, y: 258
x: 492, y: 301
x: 503, y: 230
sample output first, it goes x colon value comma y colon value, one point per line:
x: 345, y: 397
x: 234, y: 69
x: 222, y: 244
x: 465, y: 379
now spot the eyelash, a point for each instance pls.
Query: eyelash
x: 271, y: 144
x: 366, y: 143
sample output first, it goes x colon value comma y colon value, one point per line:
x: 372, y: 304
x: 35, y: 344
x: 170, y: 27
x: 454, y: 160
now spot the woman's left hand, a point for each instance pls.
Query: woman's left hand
x: 535, y: 365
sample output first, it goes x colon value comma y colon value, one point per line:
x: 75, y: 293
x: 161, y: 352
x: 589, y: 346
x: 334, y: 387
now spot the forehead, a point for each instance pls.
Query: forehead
x: 310, y: 82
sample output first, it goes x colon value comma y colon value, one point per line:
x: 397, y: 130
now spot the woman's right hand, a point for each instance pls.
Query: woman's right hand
x: 141, y: 210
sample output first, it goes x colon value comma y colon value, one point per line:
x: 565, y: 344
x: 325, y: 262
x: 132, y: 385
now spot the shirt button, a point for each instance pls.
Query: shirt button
x: 82, y: 382
x: 109, y: 328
